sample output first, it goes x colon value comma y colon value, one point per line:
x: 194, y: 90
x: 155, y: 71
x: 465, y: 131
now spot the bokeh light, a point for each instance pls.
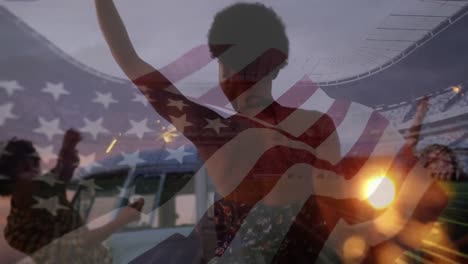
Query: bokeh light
x: 170, y: 134
x: 354, y: 249
x: 379, y: 191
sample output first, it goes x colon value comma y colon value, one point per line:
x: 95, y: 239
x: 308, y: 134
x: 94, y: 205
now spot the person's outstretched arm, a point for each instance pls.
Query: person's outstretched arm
x: 68, y: 158
x: 125, y: 216
x: 117, y: 38
x: 171, y: 104
x: 415, y: 129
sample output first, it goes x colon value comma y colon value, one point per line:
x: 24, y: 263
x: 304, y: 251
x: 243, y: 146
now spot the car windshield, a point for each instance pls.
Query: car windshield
x: 169, y: 197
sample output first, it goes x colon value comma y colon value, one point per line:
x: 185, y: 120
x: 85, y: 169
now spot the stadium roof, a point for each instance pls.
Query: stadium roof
x: 405, y: 28
x: 336, y: 45
x: 434, y: 62
x: 391, y: 54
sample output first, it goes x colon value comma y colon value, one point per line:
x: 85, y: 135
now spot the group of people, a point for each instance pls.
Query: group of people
x: 264, y: 173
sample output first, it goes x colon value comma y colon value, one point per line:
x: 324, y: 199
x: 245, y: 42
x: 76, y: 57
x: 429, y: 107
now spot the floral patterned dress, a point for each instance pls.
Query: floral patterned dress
x: 287, y: 234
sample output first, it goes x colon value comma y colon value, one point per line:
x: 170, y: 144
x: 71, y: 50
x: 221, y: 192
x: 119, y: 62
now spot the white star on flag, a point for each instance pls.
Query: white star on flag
x: 94, y: 127
x: 5, y: 113
x: 177, y: 154
x: 140, y: 99
x: 56, y: 90
x: 88, y: 162
x: 48, y: 178
x: 139, y: 128
x: 52, y: 205
x: 177, y: 103
x: 180, y: 122
x: 214, y: 124
x: 144, y: 89
x: 46, y: 153
x: 131, y: 159
x: 11, y: 87
x: 90, y: 185
x: 49, y: 128
x: 105, y: 99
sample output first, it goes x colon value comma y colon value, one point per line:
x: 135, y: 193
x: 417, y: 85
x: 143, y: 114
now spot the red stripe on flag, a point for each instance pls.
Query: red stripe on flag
x: 187, y: 64
x: 214, y: 96
x: 299, y: 93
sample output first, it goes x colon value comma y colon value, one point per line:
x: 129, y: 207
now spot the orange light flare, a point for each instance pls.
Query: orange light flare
x: 414, y: 234
x: 456, y: 89
x: 169, y: 135
x: 388, y: 252
x: 354, y: 249
x: 379, y: 191
x: 111, y: 145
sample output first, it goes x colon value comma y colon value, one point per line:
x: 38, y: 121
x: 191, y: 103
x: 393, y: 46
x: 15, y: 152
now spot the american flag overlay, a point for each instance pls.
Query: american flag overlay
x: 305, y: 147
x: 300, y: 137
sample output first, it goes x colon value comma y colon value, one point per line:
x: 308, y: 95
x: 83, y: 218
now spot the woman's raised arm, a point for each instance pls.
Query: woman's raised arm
x: 117, y: 38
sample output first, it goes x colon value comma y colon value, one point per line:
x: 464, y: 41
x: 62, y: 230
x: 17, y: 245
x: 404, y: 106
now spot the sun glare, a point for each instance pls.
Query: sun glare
x: 379, y: 191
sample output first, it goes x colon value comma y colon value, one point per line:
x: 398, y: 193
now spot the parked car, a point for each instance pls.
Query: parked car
x: 174, y: 201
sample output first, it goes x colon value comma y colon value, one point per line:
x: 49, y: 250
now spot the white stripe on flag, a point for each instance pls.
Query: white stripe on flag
x: 352, y: 127
x: 320, y: 102
x: 199, y: 82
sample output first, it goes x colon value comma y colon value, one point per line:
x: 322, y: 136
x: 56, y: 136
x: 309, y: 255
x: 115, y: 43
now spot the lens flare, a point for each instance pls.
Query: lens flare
x: 379, y: 191
x: 354, y: 249
x: 170, y: 134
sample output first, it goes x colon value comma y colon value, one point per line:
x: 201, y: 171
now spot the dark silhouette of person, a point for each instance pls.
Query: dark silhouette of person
x: 251, y: 53
x: 263, y: 161
x: 442, y: 164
